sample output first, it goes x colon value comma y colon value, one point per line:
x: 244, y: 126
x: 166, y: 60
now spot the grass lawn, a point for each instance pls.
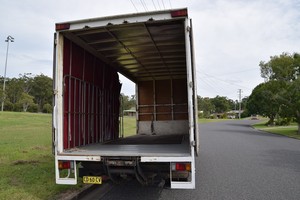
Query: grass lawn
x: 129, y: 126
x: 289, y: 131
x: 26, y: 160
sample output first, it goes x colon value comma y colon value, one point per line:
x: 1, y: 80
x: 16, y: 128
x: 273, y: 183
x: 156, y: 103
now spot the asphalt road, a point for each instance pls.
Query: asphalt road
x: 235, y: 162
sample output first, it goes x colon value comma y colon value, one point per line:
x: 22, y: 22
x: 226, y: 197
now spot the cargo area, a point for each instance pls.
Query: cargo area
x: 152, y: 54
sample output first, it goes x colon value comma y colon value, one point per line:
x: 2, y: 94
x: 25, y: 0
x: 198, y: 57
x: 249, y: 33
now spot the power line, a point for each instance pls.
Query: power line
x: 170, y: 4
x: 144, y: 5
x: 223, y: 80
x: 213, y: 82
x: 134, y: 6
x: 237, y: 72
x: 163, y: 4
x: 154, y: 4
x: 211, y: 86
x: 158, y: 4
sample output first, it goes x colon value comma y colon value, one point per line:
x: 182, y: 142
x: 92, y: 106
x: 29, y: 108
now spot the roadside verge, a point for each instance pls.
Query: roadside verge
x: 288, y: 131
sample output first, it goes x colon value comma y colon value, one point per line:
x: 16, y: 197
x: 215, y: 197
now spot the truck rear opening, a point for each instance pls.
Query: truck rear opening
x: 151, y: 49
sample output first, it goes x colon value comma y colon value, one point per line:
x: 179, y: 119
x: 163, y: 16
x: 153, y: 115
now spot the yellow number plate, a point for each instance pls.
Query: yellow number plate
x: 92, y: 179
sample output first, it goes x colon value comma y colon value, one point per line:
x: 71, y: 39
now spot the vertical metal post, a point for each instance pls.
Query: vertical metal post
x: 84, y: 100
x: 74, y: 113
x: 122, y: 117
x: 96, y: 114
x: 8, y: 39
x: 89, y: 112
x: 137, y: 107
x: 93, y: 106
x: 84, y: 112
x: 69, y: 99
x: 113, y: 114
x: 102, y: 105
x: 172, y: 100
x: 79, y: 112
x: 154, y: 101
x: 93, y: 114
x: 102, y: 115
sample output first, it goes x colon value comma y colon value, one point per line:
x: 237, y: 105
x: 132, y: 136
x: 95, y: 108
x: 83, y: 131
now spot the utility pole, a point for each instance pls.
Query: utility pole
x: 240, y: 102
x: 8, y: 39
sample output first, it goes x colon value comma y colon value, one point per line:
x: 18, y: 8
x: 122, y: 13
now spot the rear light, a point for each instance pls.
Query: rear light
x: 64, y: 164
x: 60, y: 27
x: 188, y: 167
x: 181, y: 167
x: 179, y: 13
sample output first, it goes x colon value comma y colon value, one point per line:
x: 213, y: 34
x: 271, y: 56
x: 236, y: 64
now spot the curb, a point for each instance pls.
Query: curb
x: 87, y: 191
x: 94, y: 192
x: 82, y: 192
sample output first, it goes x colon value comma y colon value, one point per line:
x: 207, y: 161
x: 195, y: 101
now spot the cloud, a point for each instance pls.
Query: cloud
x: 236, y: 35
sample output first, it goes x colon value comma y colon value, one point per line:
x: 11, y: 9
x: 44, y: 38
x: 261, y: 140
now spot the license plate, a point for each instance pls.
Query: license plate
x: 92, y: 179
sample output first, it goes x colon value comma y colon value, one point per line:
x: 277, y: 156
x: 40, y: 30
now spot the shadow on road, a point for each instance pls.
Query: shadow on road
x: 256, y: 133
x: 133, y: 191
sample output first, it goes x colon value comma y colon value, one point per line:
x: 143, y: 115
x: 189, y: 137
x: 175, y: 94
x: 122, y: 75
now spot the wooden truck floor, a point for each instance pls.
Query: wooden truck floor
x: 138, y: 145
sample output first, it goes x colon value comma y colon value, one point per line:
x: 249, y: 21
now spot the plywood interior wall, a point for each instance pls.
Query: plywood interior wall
x: 161, y: 100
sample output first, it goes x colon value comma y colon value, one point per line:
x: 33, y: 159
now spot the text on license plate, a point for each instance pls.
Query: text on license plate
x: 92, y: 179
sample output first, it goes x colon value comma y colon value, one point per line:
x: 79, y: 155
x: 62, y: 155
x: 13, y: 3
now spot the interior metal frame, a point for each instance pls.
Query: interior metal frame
x: 140, y: 51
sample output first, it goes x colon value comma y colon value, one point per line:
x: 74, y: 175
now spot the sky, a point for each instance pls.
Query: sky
x: 231, y: 37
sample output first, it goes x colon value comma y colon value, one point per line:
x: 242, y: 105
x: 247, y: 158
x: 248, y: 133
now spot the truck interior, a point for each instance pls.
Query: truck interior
x: 152, y: 54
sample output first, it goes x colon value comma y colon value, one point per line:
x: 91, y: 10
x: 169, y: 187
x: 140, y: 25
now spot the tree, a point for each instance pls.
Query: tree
x: 1, y: 95
x: 221, y: 104
x: 14, y: 90
x: 244, y: 107
x: 205, y: 105
x: 42, y: 90
x: 266, y: 99
x: 285, y: 67
x: 26, y: 100
x: 291, y: 106
x: 26, y: 80
x: 16, y: 86
x: 244, y: 102
x: 47, y: 108
x: 232, y: 104
x: 128, y: 102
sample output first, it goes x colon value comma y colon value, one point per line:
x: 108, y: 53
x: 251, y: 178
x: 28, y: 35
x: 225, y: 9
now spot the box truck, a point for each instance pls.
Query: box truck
x: 155, y: 51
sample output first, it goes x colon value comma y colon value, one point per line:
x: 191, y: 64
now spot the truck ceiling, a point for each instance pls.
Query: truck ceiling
x: 151, y: 49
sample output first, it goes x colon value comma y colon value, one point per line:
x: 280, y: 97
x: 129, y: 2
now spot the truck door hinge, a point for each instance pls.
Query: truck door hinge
x: 193, y: 143
x: 188, y: 28
x: 55, y: 92
x: 191, y: 84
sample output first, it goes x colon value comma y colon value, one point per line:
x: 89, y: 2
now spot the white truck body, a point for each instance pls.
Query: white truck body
x: 154, y: 50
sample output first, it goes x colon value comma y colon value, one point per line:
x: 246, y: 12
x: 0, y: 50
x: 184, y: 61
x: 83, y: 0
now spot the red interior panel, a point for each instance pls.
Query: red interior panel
x: 91, y: 98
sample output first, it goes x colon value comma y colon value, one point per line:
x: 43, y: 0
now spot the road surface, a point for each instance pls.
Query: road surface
x: 235, y: 162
